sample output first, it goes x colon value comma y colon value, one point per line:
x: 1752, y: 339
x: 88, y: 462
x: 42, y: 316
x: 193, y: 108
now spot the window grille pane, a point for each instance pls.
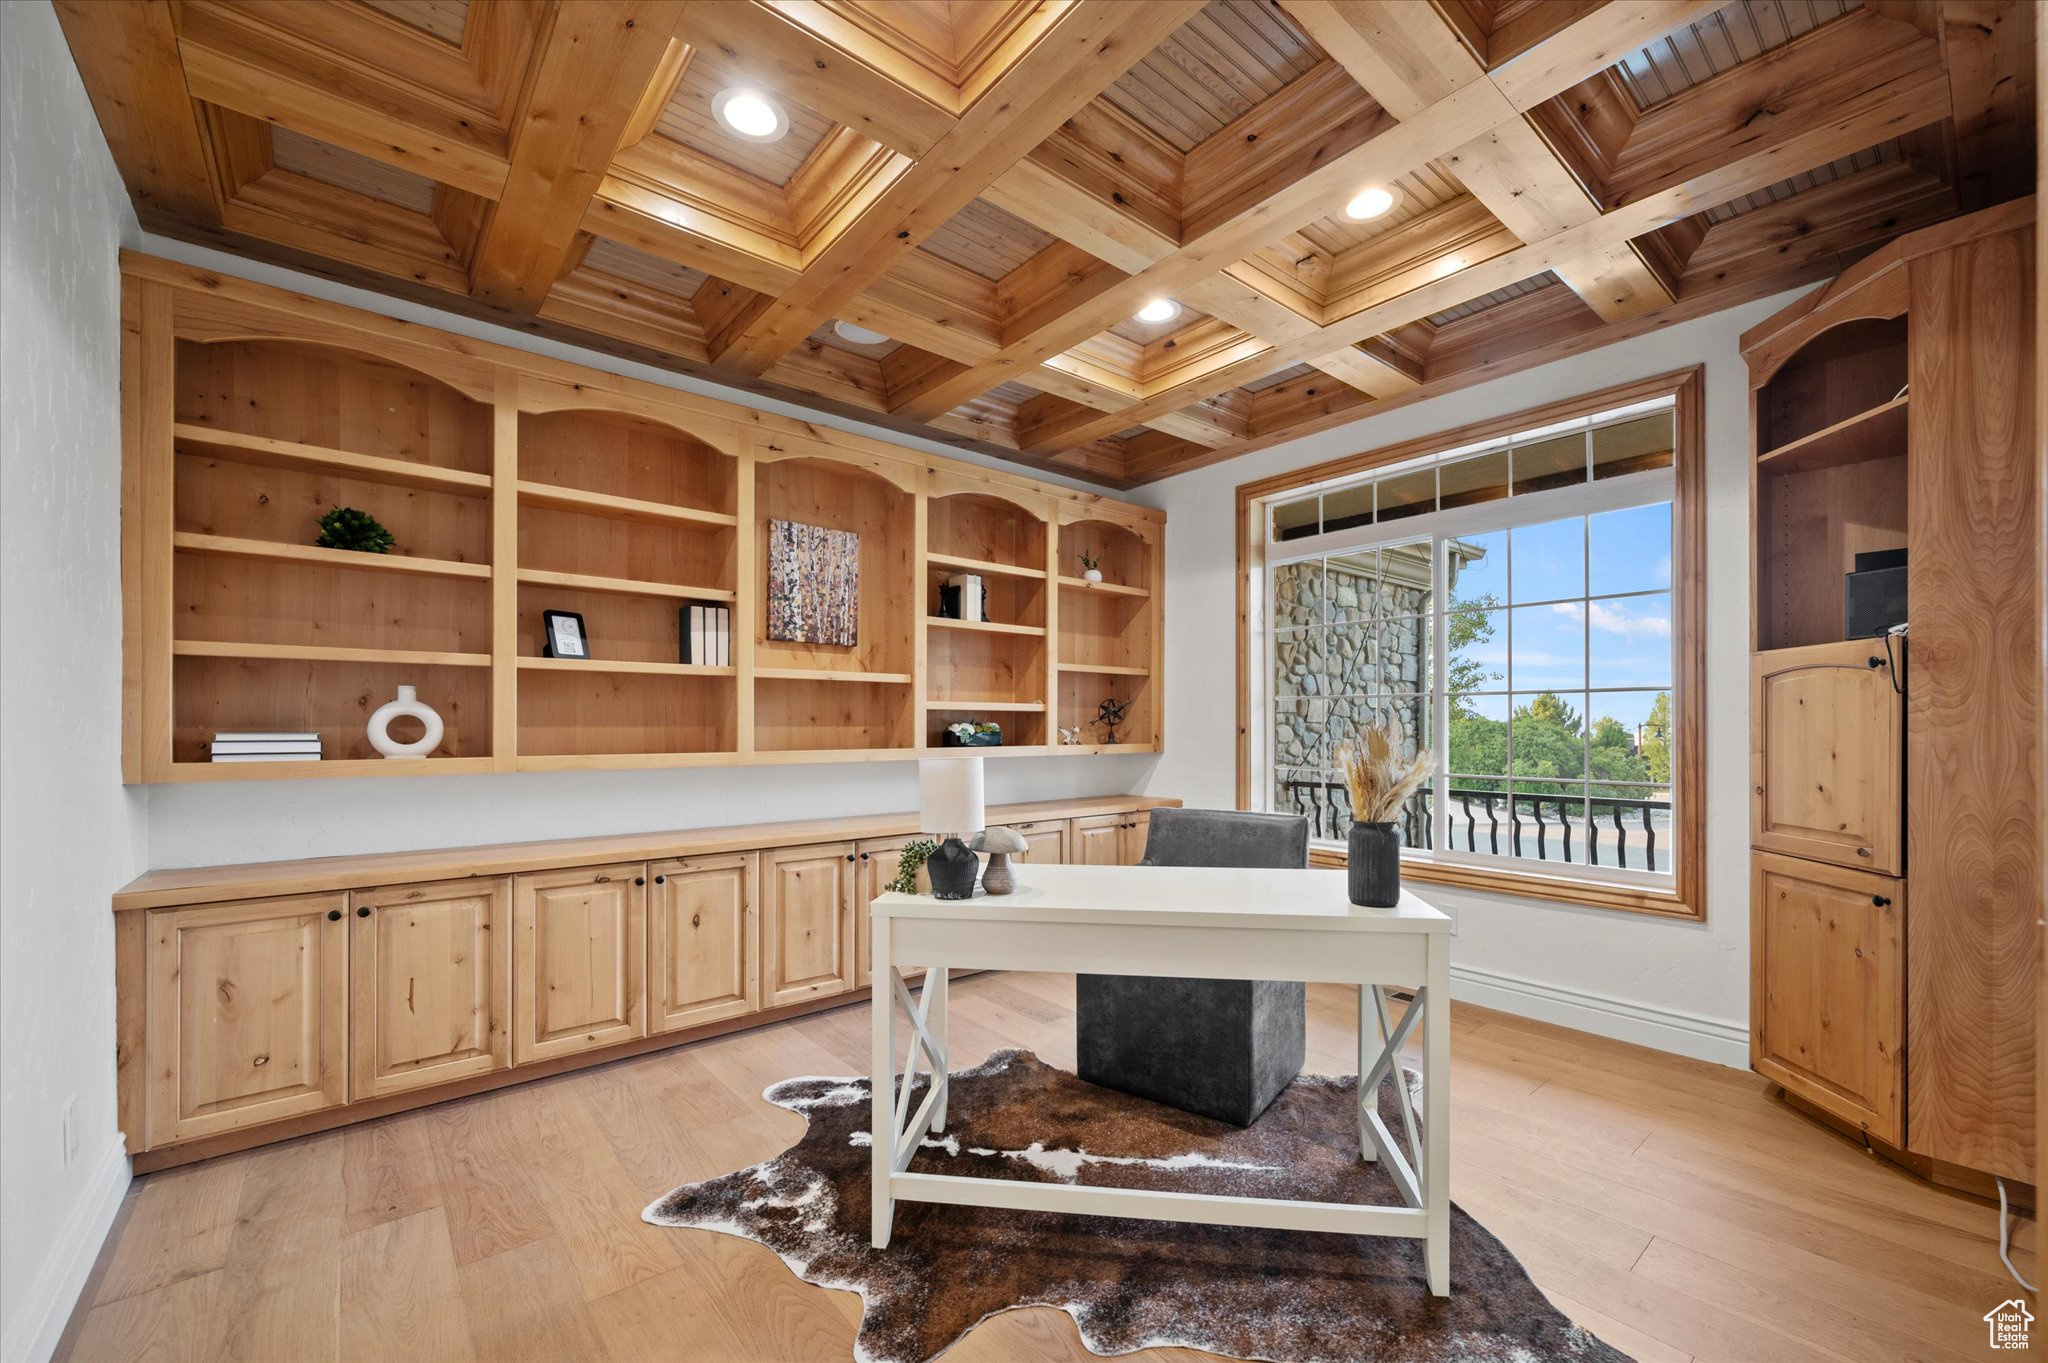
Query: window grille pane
x: 1467, y: 482
x: 1354, y: 581
x: 1629, y: 639
x: 1294, y: 520
x: 1633, y: 446
x: 1557, y: 462
x: 1347, y: 507
x: 1298, y: 595
x: 1547, y: 562
x: 1629, y: 551
x: 1407, y: 494
x: 1548, y: 648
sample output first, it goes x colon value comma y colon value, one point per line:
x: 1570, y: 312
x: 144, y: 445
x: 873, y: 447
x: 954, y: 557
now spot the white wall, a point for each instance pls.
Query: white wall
x: 68, y: 834
x: 1680, y: 986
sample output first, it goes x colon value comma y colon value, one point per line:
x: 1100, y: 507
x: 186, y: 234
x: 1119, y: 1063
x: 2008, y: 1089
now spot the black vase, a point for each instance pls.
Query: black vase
x: 1375, y: 857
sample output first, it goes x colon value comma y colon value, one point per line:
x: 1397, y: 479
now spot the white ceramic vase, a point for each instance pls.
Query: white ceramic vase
x: 408, y: 703
x: 1092, y: 575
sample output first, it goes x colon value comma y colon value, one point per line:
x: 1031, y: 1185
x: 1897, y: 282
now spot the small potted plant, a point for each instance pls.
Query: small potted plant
x: 1091, y: 567
x: 973, y: 735
x: 1380, y: 784
x: 358, y: 531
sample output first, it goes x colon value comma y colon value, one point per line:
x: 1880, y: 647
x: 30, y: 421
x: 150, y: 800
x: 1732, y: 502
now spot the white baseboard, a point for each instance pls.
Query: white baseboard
x: 1665, y: 1029
x: 31, y: 1337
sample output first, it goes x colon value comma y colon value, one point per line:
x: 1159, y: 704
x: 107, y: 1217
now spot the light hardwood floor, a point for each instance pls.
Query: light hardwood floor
x: 1673, y: 1207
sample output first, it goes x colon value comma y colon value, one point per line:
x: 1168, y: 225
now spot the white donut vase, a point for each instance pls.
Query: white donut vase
x: 408, y: 703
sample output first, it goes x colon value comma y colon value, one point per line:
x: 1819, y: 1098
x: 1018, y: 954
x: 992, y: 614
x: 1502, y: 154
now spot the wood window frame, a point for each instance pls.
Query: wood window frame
x: 1686, y: 387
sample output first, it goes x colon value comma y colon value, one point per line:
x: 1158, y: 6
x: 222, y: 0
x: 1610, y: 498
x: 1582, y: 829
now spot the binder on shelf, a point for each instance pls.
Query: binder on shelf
x: 706, y: 630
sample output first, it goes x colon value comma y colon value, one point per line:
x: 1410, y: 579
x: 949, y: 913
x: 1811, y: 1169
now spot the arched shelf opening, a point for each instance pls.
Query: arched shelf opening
x: 332, y: 398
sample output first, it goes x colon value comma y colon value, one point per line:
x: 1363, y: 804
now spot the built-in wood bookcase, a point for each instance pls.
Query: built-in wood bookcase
x: 513, y: 485
x: 1894, y: 797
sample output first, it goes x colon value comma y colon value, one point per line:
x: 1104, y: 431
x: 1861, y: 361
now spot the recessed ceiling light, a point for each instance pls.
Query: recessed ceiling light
x: 859, y: 335
x: 1159, y: 310
x: 750, y: 114
x: 1370, y: 203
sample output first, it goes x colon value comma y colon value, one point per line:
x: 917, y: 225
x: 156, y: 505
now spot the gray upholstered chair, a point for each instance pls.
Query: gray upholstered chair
x: 1218, y: 1048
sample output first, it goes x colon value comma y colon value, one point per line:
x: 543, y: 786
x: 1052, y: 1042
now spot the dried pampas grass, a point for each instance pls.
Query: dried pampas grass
x: 1380, y: 782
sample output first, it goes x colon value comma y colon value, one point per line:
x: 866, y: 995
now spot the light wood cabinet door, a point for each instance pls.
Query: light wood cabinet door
x: 579, y: 945
x: 877, y: 864
x: 1827, y: 755
x: 1097, y: 840
x: 430, y: 972
x: 248, y: 1013
x: 1045, y: 841
x: 1137, y: 828
x: 704, y: 940
x: 1828, y: 974
x: 807, y: 921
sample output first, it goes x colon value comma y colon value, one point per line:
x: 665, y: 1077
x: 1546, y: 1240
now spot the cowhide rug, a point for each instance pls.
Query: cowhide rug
x: 1243, y: 1293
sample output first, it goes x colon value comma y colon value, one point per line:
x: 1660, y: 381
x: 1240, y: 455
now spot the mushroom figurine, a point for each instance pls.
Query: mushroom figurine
x: 998, y: 843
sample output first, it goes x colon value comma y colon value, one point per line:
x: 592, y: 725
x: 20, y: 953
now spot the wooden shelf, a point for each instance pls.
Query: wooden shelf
x: 623, y: 508
x: 1879, y: 433
x: 1082, y: 584
x: 299, y: 771
x: 224, y: 546
x: 826, y: 675
x: 621, y: 586
x: 624, y: 666
x: 515, y: 485
x: 1106, y: 669
x: 984, y: 566
x: 1102, y: 749
x: 320, y: 653
x: 268, y: 453
x: 1030, y: 707
x: 983, y: 626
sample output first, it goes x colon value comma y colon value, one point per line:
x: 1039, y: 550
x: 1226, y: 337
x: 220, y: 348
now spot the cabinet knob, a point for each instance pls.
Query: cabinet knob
x: 863, y: 856
x: 334, y: 915
x: 1876, y: 661
x: 849, y: 856
x: 1881, y: 901
x: 1863, y: 851
x: 363, y: 912
x: 661, y: 880
x: 639, y: 880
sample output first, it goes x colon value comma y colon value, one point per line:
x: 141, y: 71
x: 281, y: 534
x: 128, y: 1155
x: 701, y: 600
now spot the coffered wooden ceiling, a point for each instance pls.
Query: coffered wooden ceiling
x: 998, y: 186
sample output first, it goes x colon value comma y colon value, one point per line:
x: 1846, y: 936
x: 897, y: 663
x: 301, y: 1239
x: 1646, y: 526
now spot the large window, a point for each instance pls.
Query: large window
x: 1512, y: 603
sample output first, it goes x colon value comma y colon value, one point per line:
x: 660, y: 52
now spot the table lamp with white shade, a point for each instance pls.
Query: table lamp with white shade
x: 949, y: 804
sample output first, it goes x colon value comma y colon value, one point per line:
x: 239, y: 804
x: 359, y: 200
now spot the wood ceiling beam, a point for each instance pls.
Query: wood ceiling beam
x: 232, y: 60
x: 1601, y: 36
x: 790, y: 59
x: 1086, y: 49
x: 1510, y: 168
x: 128, y: 57
x: 1815, y: 122
x: 1397, y: 148
x: 564, y: 135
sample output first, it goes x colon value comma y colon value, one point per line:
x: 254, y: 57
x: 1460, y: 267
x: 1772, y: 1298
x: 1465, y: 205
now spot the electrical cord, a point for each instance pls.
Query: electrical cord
x: 2005, y: 1241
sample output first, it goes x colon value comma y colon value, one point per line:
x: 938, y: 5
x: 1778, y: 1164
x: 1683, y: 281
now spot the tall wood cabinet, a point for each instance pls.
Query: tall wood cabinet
x: 1896, y: 782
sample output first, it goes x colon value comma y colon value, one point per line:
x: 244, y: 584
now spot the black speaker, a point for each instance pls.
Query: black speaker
x: 1874, y: 596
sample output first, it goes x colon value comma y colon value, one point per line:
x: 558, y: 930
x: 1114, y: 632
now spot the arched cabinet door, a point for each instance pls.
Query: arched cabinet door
x: 1826, y: 756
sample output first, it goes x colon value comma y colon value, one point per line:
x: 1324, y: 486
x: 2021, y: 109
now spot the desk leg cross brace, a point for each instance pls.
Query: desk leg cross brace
x: 1375, y: 1142
x: 894, y: 1145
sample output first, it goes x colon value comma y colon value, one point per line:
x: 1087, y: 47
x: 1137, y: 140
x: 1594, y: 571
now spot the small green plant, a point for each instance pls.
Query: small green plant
x: 1090, y: 562
x: 347, y: 528
x: 910, y: 861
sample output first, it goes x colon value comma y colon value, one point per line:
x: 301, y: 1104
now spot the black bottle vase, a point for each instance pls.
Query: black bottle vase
x: 1375, y: 865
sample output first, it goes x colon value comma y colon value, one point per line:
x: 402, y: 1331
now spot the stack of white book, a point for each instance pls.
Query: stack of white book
x: 707, y: 633
x: 229, y: 747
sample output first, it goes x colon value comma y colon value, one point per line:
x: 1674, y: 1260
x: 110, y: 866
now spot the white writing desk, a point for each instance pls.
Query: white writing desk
x: 1186, y: 922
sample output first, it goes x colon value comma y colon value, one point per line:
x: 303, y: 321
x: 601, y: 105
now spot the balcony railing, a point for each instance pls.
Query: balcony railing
x: 1601, y: 830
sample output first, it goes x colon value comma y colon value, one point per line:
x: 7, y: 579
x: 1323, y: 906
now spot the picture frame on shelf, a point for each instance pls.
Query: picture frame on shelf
x: 566, y: 635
